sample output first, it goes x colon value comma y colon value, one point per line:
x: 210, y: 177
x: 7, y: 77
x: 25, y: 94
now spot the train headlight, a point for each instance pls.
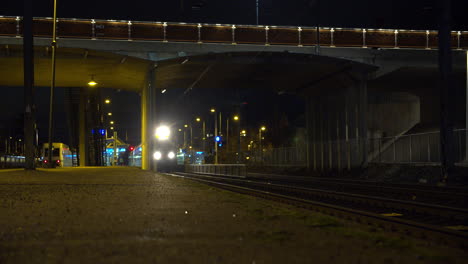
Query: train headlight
x: 163, y: 132
x: 157, y: 155
x: 171, y: 155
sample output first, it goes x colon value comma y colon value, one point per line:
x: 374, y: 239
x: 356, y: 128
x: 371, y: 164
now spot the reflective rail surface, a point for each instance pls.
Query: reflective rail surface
x: 231, y: 34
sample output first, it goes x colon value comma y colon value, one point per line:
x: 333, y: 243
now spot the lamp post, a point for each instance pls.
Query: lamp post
x: 262, y: 128
x: 52, y: 81
x: 198, y: 119
x: 256, y: 5
x: 212, y: 110
x: 237, y: 119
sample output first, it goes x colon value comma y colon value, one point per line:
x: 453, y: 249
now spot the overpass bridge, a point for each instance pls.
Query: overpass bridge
x: 334, y: 68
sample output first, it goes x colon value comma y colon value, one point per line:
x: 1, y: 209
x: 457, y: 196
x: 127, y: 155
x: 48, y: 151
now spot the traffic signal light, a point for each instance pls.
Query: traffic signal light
x: 131, y: 148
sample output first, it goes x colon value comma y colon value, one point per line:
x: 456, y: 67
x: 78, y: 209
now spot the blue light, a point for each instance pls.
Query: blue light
x: 102, y: 131
x: 121, y: 149
x: 220, y: 144
x: 218, y: 138
x: 199, y: 152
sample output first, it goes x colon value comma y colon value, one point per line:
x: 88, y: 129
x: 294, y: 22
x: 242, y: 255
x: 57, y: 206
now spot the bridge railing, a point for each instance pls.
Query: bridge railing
x: 231, y: 34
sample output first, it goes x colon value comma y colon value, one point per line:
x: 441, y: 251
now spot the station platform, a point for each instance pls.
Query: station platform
x: 126, y: 215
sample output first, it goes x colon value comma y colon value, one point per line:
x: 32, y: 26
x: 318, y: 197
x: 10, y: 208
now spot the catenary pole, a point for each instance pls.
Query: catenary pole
x: 28, y: 62
x: 52, y: 81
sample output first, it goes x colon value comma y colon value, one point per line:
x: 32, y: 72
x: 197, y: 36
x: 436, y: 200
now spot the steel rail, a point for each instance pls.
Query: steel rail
x: 404, y: 226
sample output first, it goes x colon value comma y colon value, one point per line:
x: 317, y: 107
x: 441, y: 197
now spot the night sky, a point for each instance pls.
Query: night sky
x: 414, y: 14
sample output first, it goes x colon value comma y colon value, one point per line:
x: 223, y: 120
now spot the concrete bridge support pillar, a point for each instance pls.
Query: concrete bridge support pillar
x: 148, y: 113
x: 337, y: 129
x: 82, y: 131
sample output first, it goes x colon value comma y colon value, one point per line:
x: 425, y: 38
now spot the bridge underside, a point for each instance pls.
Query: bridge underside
x: 281, y: 72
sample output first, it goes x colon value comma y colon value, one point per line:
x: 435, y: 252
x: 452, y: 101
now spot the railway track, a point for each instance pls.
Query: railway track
x: 427, y: 221
x: 445, y: 196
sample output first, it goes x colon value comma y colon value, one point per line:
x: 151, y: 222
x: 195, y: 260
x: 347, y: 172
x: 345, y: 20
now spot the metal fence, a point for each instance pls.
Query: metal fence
x: 419, y: 148
x: 415, y: 148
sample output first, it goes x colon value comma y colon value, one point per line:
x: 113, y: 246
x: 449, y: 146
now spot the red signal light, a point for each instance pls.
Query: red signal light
x: 131, y: 148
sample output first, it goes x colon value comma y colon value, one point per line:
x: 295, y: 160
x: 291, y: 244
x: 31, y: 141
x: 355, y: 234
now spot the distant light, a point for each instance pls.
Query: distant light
x: 243, y: 132
x: 263, y: 128
x: 111, y: 122
x: 109, y: 114
x: 198, y: 119
x: 185, y: 125
x: 171, y: 155
x: 92, y: 83
x: 185, y: 61
x: 112, y: 128
x: 163, y: 132
x: 163, y: 91
x: 107, y: 101
x: 236, y: 117
x: 212, y: 110
x: 121, y: 149
x: 218, y: 138
x: 199, y: 152
x: 131, y: 148
x: 102, y: 131
x: 157, y: 155
x: 180, y: 129
x: 247, y: 158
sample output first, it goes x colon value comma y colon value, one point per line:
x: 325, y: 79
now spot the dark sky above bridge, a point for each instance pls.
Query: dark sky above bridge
x: 414, y: 14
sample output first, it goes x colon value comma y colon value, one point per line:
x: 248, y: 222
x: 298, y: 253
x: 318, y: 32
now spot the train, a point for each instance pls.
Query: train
x: 61, y: 156
x: 165, y: 154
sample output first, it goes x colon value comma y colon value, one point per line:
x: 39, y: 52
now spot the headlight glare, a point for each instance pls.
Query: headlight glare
x: 171, y: 155
x: 163, y: 132
x: 157, y: 155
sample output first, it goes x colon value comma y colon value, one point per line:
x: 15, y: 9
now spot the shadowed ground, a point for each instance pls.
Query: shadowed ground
x: 125, y: 215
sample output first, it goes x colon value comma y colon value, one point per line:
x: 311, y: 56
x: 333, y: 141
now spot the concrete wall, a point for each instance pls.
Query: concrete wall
x: 390, y: 114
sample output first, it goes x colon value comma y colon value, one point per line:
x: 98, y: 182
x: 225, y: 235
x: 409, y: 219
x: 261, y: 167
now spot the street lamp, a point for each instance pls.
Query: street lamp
x: 212, y: 110
x: 262, y: 128
x: 236, y: 118
x: 92, y: 83
x: 107, y: 101
x: 198, y: 119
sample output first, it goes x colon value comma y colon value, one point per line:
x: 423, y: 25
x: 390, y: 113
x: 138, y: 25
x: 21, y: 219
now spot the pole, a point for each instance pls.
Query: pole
x: 204, y: 135
x: 52, y: 81
x: 114, y: 158
x: 227, y: 134
x: 261, y: 147
x: 445, y: 69
x: 256, y: 4
x: 238, y: 143
x: 466, y: 115
x: 28, y: 59
x: 215, y: 142
x: 317, y: 33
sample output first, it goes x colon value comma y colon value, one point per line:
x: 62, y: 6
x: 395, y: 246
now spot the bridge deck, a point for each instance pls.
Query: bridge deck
x: 241, y: 34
